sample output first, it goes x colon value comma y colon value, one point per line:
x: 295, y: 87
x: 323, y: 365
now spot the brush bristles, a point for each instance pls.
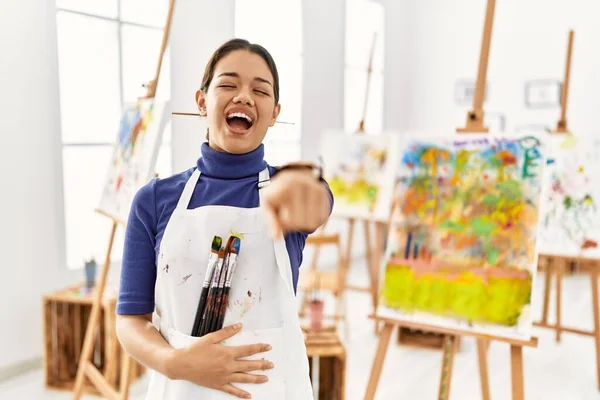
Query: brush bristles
x: 235, y: 246
x: 216, y: 243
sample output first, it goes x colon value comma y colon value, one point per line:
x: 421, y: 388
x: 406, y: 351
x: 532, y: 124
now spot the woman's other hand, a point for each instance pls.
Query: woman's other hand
x: 208, y: 363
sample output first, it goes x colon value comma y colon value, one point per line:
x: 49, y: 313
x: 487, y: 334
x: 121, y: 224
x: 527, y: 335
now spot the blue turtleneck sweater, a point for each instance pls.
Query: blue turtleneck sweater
x: 226, y: 180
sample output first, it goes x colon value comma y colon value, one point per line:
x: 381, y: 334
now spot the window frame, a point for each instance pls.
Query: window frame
x: 74, y: 145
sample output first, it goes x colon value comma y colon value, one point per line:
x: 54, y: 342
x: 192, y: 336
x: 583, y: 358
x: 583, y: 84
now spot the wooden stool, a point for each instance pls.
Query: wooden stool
x: 314, y: 279
x: 66, y: 314
x: 331, y: 355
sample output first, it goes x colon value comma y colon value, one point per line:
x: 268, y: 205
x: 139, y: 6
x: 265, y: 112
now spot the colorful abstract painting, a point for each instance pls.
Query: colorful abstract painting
x: 134, y: 156
x: 360, y: 170
x: 462, y: 252
x: 571, y: 216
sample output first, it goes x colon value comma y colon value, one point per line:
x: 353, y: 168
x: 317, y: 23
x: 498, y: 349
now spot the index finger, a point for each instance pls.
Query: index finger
x: 250, y: 349
x: 223, y: 333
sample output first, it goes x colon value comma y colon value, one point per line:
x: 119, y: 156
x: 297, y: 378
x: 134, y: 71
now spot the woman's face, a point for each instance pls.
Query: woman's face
x: 239, y: 103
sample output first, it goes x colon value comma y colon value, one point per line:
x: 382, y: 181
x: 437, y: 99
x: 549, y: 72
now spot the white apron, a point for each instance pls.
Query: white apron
x: 261, y: 298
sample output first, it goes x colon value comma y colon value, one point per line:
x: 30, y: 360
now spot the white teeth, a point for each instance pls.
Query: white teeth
x: 240, y: 115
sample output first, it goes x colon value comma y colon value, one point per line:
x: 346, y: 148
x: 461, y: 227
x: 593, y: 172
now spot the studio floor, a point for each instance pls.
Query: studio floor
x: 564, y: 371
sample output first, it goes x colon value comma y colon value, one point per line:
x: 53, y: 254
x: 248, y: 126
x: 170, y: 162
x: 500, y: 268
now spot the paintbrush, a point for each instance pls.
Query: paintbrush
x: 234, y: 252
x: 213, y: 259
x: 210, y: 298
x: 219, y: 293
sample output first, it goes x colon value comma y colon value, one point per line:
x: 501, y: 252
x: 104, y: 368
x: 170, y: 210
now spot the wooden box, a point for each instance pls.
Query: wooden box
x: 331, y: 355
x: 66, y: 313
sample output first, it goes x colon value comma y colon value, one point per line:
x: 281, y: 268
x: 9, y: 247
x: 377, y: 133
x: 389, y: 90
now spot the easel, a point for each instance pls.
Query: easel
x: 558, y: 264
x: 474, y: 124
x: 86, y: 368
x: 516, y: 356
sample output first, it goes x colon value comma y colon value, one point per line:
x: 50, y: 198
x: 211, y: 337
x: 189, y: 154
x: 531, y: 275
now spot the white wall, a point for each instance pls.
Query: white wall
x: 199, y: 27
x: 323, y: 74
x: 32, y: 236
x: 432, y: 43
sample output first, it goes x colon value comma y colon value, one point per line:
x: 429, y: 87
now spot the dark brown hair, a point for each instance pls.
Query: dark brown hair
x: 240, y: 44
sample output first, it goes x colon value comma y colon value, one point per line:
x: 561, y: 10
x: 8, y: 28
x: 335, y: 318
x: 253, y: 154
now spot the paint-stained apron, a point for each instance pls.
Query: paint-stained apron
x: 261, y: 298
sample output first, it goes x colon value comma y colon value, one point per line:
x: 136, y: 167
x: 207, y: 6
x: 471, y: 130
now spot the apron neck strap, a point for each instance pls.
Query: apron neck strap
x: 186, y: 196
x: 264, y: 178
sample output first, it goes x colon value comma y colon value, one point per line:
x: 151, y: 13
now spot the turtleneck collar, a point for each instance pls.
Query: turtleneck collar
x: 223, y: 165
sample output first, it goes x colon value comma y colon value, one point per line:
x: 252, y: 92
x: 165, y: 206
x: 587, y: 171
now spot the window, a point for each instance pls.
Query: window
x: 106, y: 50
x: 364, y: 20
x: 282, y: 37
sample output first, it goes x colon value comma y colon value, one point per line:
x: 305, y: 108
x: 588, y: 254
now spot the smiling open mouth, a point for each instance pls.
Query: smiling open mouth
x: 239, y: 122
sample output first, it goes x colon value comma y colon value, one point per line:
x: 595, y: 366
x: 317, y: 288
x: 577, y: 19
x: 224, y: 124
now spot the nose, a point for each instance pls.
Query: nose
x: 244, y: 98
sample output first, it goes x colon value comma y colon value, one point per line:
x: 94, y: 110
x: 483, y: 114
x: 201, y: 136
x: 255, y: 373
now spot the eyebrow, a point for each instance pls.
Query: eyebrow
x: 236, y: 75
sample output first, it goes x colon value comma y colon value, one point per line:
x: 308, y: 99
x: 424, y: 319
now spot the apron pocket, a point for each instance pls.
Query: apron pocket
x: 273, y: 389
x: 181, y: 389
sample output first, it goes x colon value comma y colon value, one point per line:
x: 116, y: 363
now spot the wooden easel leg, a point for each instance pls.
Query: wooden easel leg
x: 384, y: 340
x: 559, y: 271
x: 341, y: 287
x: 112, y: 346
x: 482, y: 347
x: 349, y: 241
x: 377, y: 256
x: 594, y: 278
x: 88, y: 342
x: 369, y: 257
x: 547, y: 285
x: 125, y: 376
x: 317, y: 252
x: 447, y: 363
x: 516, y: 361
x: 368, y: 245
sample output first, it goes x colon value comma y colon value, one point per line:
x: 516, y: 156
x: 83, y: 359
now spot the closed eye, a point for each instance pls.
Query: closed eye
x: 262, y: 92
x: 227, y: 86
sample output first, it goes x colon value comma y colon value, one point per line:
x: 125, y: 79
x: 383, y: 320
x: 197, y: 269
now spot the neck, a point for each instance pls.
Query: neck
x: 215, y: 147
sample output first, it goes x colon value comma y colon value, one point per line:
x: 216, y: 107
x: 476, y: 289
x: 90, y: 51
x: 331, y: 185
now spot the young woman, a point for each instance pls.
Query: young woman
x: 259, y: 353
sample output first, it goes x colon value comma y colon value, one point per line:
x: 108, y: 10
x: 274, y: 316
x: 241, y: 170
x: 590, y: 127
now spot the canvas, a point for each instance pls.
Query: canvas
x: 134, y: 156
x: 571, y: 216
x: 462, y: 252
x: 360, y: 170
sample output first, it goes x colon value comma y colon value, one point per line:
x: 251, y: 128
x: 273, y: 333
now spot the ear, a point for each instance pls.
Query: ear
x: 276, y: 112
x: 201, y: 102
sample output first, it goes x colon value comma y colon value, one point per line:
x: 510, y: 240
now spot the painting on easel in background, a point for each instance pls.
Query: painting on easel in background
x: 360, y: 170
x: 571, y: 215
x: 463, y: 250
x: 134, y: 156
